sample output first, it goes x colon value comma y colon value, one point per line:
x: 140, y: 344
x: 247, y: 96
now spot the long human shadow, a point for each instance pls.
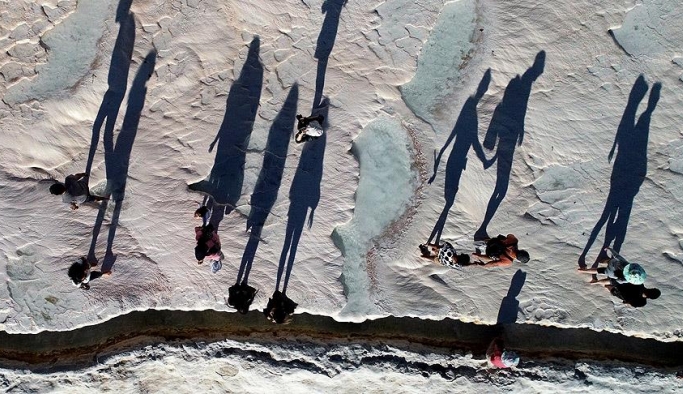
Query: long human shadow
x: 628, y: 172
x: 465, y: 134
x: 507, y: 128
x: 117, y: 78
x: 328, y: 34
x: 224, y: 183
x: 303, y: 194
x: 507, y: 314
x: 269, y: 179
x: 117, y: 156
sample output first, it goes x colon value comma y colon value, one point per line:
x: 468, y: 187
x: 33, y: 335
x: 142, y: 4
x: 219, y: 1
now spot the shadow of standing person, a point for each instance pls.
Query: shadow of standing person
x: 117, y: 156
x: 303, y: 194
x: 268, y: 184
x: 507, y: 314
x: 465, y: 133
x: 507, y: 127
x: 224, y: 183
x: 628, y: 172
x: 117, y: 78
x: 328, y: 34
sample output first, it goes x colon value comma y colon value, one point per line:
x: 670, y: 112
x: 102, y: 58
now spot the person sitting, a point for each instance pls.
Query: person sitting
x: 279, y: 308
x: 308, y: 127
x: 75, y: 190
x: 240, y: 297
x: 445, y: 254
x: 618, y: 269
x: 208, y: 246
x: 80, y: 274
x: 500, y: 251
x: 634, y: 295
x: 498, y: 357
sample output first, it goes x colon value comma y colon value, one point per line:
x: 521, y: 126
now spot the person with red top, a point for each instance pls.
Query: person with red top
x: 500, y: 251
x: 498, y: 357
x: 208, y: 246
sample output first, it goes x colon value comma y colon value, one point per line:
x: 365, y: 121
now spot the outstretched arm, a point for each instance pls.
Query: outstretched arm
x: 614, y: 147
x: 437, y: 158
x: 214, y: 142
x: 499, y: 263
x: 481, y: 259
x: 310, y: 218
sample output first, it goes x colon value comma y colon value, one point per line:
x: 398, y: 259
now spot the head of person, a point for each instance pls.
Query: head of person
x: 424, y: 249
x: 652, y: 294
x: 463, y: 259
x: 510, y: 359
x: 522, y: 256
x: 57, y: 188
x: 77, y: 273
x: 634, y: 274
x: 201, y: 211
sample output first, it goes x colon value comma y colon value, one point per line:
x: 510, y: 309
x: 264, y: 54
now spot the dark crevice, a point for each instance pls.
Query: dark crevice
x: 51, y: 350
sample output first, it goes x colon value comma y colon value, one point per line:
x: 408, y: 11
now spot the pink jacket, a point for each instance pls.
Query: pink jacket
x: 214, y: 241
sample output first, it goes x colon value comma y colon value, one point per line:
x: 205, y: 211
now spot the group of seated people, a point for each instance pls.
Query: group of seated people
x: 625, y: 279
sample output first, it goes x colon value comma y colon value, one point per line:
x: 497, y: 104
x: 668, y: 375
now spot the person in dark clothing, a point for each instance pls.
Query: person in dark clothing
x: 634, y: 295
x: 80, y: 273
x: 208, y: 246
x: 279, y: 308
x: 75, y: 190
x: 307, y: 129
x: 241, y: 296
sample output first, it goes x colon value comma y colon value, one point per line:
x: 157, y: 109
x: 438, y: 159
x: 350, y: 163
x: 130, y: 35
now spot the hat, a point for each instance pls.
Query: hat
x: 509, y: 358
x: 635, y: 274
